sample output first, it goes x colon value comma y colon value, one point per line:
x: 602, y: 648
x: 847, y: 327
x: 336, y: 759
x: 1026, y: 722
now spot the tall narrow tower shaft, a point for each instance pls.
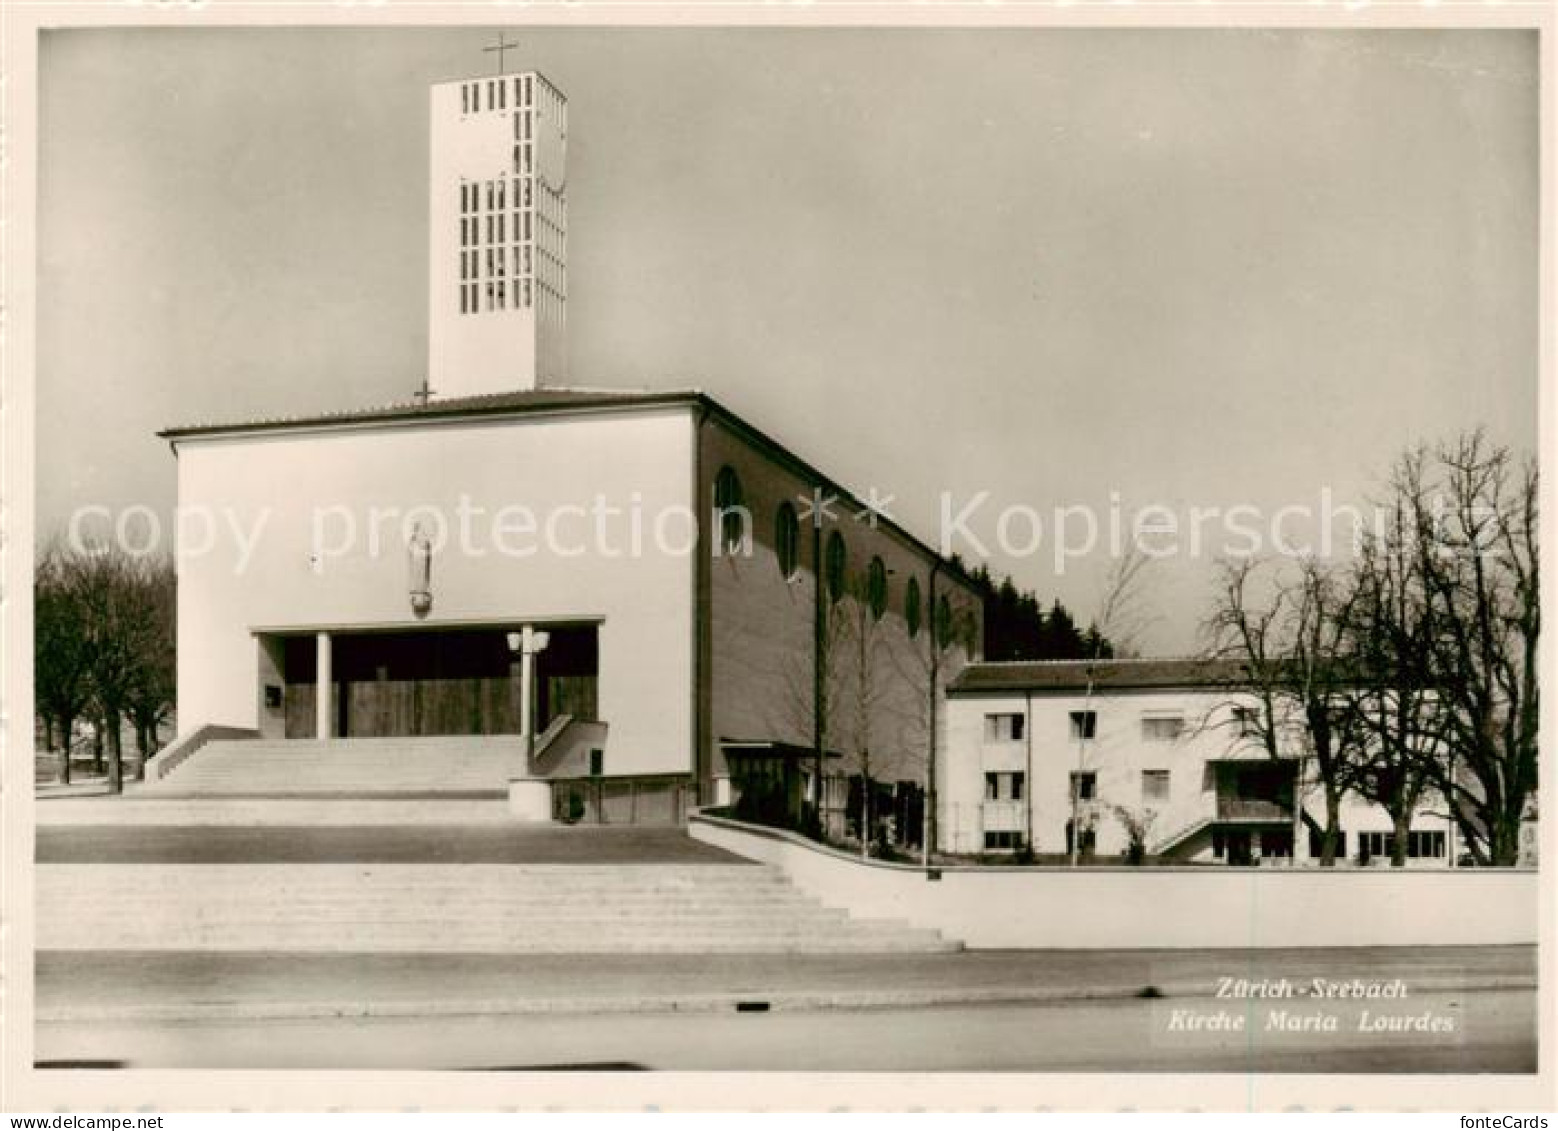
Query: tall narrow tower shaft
x: 498, y: 222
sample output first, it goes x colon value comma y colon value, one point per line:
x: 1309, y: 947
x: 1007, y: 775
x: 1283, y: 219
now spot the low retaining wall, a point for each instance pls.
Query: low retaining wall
x: 1064, y: 908
x: 636, y: 799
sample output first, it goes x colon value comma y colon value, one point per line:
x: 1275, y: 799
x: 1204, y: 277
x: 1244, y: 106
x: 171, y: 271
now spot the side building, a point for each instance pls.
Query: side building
x: 1167, y: 749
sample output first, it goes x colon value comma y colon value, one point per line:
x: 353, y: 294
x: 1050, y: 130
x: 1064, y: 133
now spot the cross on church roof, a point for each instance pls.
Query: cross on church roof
x: 500, y: 47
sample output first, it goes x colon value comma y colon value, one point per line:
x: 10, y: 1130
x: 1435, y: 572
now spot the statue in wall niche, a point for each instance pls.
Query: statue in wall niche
x: 419, y: 558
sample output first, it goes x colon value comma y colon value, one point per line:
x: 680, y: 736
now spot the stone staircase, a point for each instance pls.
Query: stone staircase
x: 451, y: 900
x: 358, y: 766
x: 441, y: 908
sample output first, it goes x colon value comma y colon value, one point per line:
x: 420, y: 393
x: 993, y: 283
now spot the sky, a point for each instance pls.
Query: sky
x: 1066, y: 267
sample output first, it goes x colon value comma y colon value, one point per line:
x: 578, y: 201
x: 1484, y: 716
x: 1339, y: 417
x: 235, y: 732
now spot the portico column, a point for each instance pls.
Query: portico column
x: 324, y: 716
x: 526, y: 696
x: 530, y: 798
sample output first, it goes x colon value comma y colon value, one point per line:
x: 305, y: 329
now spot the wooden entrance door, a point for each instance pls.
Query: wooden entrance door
x: 408, y: 684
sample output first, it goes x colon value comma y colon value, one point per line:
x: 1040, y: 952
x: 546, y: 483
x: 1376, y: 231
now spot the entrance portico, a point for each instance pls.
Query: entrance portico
x: 510, y: 678
x: 375, y: 682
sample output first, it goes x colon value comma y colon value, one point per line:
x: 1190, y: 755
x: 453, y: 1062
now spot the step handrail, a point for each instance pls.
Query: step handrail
x: 553, y: 731
x: 182, y: 748
x: 1180, y: 835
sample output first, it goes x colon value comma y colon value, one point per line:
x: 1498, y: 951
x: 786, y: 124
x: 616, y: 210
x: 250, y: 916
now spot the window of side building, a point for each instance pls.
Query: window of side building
x: 1003, y: 728
x: 1084, y: 724
x: 1004, y: 786
x: 1162, y: 728
x: 1154, y: 785
x: 1421, y: 844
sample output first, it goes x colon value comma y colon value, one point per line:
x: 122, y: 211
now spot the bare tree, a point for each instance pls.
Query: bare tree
x: 1137, y: 823
x: 1122, y: 615
x: 1413, y: 674
x: 940, y: 633
x: 152, y: 690
x: 61, y: 663
x: 818, y: 671
x: 860, y: 610
x: 1392, y: 636
x: 1291, y: 651
x: 110, y: 615
x: 1472, y: 537
x: 1120, y: 620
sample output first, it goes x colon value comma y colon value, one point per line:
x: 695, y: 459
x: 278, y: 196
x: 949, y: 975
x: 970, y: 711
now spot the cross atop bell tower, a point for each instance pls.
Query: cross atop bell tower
x: 500, y: 47
x: 498, y: 224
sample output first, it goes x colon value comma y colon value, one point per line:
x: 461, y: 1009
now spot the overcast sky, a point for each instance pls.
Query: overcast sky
x: 1186, y: 267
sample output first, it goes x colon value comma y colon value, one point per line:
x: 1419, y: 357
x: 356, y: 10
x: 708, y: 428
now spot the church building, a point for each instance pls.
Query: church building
x: 562, y: 584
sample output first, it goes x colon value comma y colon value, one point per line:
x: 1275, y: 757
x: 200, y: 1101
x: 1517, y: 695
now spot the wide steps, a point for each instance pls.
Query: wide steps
x: 360, y: 765
x: 432, y: 908
x: 169, y: 808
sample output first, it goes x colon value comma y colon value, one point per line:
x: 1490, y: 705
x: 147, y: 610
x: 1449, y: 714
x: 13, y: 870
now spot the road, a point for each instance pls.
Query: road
x: 1479, y: 1031
x: 103, y: 985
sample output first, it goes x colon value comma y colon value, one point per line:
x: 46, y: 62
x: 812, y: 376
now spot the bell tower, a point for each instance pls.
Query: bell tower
x: 498, y: 224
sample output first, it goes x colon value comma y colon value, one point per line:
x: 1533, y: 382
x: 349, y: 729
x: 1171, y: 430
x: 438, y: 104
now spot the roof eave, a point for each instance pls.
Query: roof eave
x: 399, y: 416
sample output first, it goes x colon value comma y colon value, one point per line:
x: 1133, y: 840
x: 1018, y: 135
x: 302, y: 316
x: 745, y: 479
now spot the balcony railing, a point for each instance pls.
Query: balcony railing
x: 1002, y: 816
x: 1233, y: 808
